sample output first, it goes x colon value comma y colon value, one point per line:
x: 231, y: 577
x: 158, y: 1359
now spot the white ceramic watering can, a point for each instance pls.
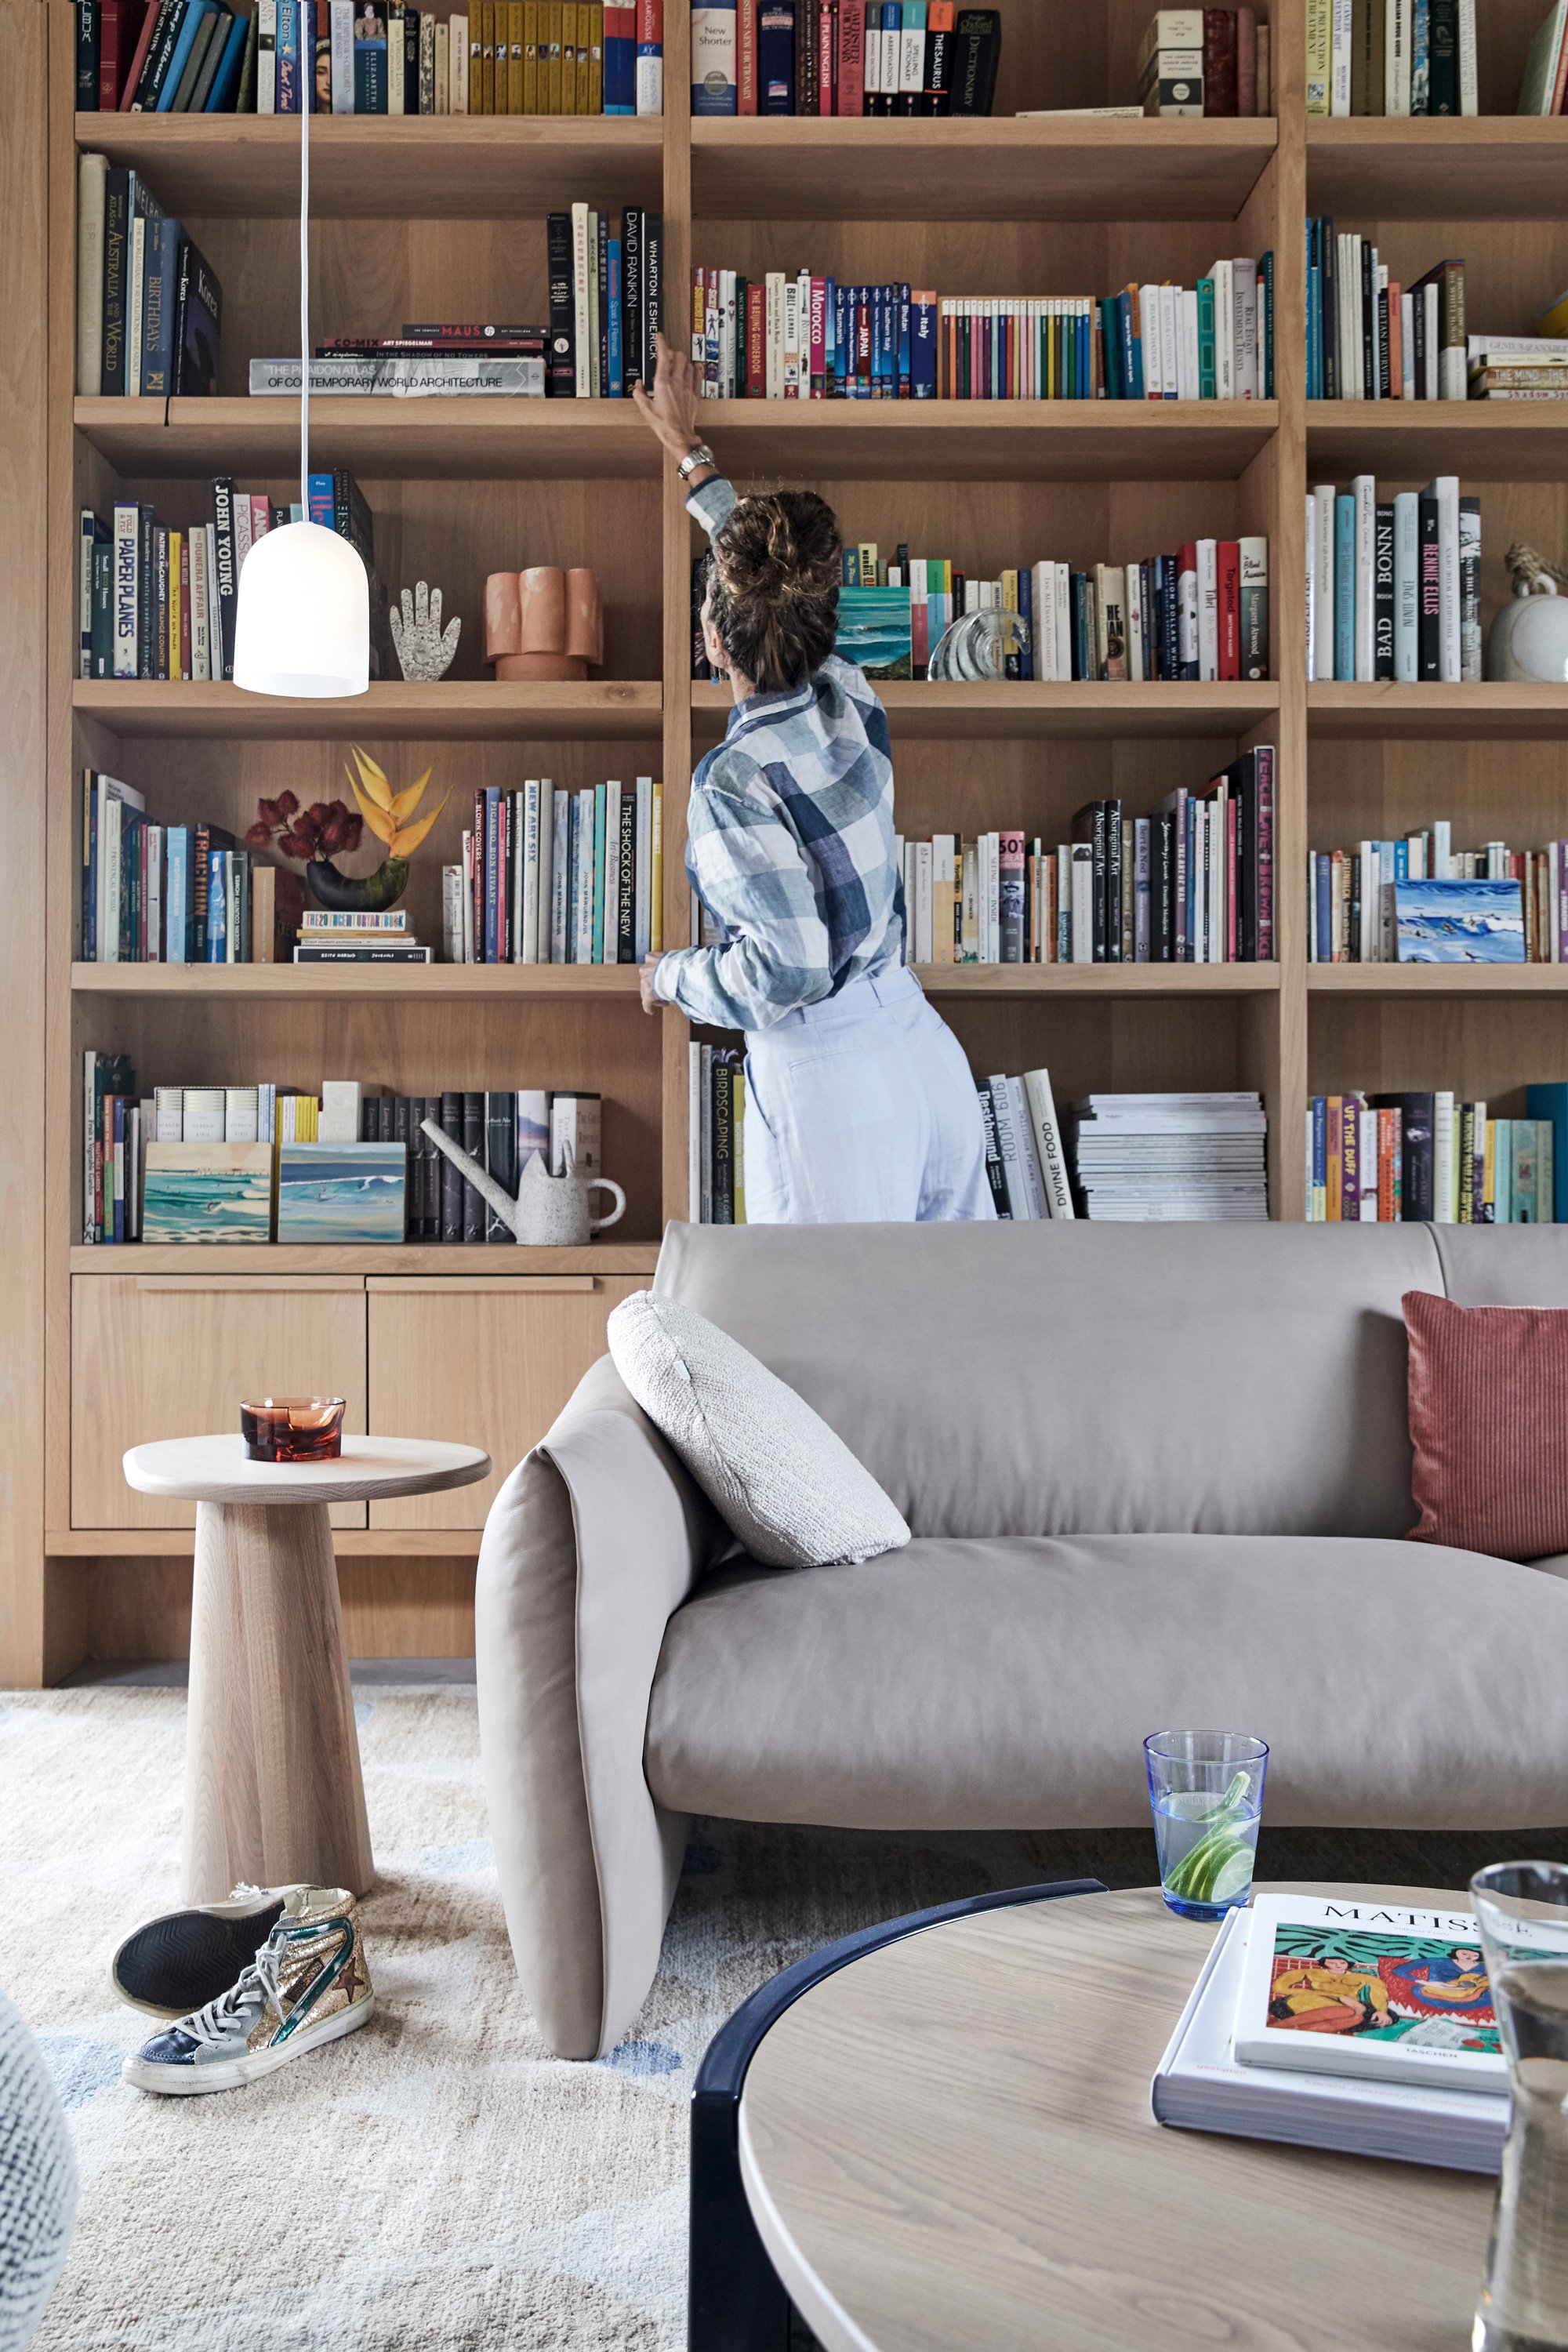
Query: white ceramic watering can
x: 550, y: 1211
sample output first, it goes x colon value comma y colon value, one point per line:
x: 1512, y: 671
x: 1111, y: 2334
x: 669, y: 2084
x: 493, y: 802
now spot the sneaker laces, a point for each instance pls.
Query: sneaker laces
x: 256, y: 1984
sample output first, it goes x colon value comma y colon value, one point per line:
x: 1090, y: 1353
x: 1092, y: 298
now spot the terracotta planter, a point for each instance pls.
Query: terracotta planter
x: 544, y: 623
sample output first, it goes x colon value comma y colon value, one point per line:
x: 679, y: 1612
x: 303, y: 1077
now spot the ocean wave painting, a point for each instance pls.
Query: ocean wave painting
x: 1459, y: 922
x: 207, y: 1192
x: 333, y: 1193
x: 873, y: 630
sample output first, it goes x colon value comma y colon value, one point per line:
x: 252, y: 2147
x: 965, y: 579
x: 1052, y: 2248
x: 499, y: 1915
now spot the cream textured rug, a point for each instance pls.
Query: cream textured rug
x: 437, y: 2182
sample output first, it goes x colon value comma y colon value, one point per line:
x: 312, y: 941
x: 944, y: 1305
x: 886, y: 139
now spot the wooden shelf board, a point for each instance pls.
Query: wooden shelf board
x: 1475, y: 167
x: 179, y: 1543
x: 474, y: 710
x: 1000, y: 169
x: 442, y: 983
x: 1437, y: 979
x: 993, y: 979
x: 409, y: 1257
x: 1437, y: 713
x: 1410, y: 439
x: 443, y: 440
x: 385, y: 166
x: 992, y: 440
x: 918, y: 711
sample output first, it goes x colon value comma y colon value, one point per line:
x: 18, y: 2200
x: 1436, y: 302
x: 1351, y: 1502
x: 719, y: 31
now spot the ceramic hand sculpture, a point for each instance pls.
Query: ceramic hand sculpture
x: 549, y: 1211
x: 423, y: 653
x: 544, y: 623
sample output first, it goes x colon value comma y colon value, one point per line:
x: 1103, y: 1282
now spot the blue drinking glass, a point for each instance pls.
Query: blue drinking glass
x: 1206, y: 1791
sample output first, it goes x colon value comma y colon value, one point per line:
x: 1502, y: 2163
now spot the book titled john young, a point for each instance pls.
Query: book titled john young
x: 1349, y: 1986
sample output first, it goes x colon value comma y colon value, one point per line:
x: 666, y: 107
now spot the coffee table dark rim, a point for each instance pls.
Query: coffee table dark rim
x: 736, y: 2301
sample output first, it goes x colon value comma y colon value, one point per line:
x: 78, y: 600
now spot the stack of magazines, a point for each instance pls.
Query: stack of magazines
x: 1341, y: 2022
x: 1170, y: 1158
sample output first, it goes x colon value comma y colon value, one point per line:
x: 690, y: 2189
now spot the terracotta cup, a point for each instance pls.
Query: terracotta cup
x: 544, y: 623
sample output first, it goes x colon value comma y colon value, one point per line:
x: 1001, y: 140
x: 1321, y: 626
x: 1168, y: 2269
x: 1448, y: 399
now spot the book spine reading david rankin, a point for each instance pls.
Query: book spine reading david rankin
x: 554, y: 876
x: 798, y: 336
x: 1433, y: 1158
x: 247, y: 1163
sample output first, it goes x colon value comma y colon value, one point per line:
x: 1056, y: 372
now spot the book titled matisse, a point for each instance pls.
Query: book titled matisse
x: 342, y: 1192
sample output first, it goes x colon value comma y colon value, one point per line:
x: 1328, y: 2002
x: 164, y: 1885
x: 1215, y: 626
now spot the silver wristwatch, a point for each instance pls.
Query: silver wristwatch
x: 701, y: 455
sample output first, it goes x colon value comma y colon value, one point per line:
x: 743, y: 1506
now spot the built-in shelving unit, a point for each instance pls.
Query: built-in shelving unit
x: 445, y: 218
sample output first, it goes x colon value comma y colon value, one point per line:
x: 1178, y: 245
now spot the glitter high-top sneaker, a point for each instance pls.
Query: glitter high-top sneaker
x: 181, y: 1960
x: 307, y: 1984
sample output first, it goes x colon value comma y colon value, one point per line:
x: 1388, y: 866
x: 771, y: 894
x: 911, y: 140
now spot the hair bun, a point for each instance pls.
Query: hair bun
x: 774, y: 598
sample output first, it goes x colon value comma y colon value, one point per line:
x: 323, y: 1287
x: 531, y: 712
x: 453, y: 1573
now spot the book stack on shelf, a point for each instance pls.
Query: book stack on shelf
x: 1397, y: 58
x: 370, y: 56
x: 421, y: 362
x: 1191, y: 884
x: 1522, y: 367
x: 796, y: 336
x: 1170, y: 1157
x: 891, y: 59
x: 553, y: 877
x: 178, y: 893
x: 149, y: 307
x: 264, y: 1163
x: 1368, y: 338
x: 716, y: 1134
x: 1430, y: 1159
x: 363, y: 938
x: 1418, y: 900
x: 158, y: 602
x: 1198, y: 61
x: 1025, y: 1164
x: 1394, y: 586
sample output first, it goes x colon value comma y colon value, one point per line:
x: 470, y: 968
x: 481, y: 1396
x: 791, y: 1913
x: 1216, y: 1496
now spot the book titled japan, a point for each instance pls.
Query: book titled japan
x: 1348, y: 1986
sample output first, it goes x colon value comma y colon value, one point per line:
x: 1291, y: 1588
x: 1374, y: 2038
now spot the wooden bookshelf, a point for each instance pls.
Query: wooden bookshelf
x: 445, y: 218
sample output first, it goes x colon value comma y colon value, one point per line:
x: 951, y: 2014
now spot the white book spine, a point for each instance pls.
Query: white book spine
x: 443, y: 82
x: 452, y: 913
x: 1407, y: 347
x: 1396, y: 58
x: 525, y: 933
x: 1450, y: 660
x: 1224, y: 331
x: 1029, y: 1151
x: 923, y: 943
x: 1170, y: 342
x: 1470, y: 85
x: 127, y: 567
x: 1208, y: 610
x: 1340, y: 58
x: 201, y: 654
x: 1244, y: 300
x: 642, y: 933
x: 135, y: 281
x: 1134, y: 595
x: 584, y: 381
x: 560, y: 874
x: 1190, y: 374
x: 791, y: 339
x: 694, y: 1133
x: 1406, y: 588
x: 1047, y: 1130
x: 458, y: 64
x: 266, y: 56
x: 1082, y: 902
x: 775, y: 323
x: 1323, y: 499
x: 584, y: 876
x: 1444, y: 1164
x: 1312, y: 587
x: 92, y: 174
x: 1364, y: 488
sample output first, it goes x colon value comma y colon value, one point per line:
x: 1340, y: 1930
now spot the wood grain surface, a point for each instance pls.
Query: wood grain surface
x: 217, y: 1469
x: 948, y: 2148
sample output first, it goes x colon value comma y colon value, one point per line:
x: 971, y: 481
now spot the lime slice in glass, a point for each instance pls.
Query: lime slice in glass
x: 1232, y: 1876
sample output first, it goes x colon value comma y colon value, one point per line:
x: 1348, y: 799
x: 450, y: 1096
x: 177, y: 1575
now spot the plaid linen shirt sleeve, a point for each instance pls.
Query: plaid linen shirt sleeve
x: 750, y: 875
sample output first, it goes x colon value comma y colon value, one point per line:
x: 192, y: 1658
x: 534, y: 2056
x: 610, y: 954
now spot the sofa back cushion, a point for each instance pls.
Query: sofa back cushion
x: 1068, y: 1379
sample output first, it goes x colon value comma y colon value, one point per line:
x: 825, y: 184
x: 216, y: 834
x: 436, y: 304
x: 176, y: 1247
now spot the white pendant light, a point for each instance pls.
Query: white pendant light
x: 302, y: 622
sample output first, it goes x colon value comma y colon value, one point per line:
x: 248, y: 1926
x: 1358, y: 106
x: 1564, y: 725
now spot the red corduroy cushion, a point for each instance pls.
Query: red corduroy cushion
x: 1489, y: 1421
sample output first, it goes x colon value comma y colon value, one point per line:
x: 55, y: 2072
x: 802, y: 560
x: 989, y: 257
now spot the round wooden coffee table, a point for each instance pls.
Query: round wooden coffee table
x: 273, y: 1791
x: 947, y: 2146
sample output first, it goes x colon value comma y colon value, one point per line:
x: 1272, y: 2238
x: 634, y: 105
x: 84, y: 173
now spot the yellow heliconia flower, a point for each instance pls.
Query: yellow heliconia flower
x: 384, y: 811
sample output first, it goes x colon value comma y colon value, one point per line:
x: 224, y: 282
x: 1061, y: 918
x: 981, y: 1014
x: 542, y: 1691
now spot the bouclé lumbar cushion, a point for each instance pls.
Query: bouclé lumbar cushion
x: 777, y: 1475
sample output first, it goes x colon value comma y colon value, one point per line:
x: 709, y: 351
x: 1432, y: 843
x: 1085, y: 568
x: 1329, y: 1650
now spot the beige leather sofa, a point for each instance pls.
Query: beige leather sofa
x: 1155, y: 1475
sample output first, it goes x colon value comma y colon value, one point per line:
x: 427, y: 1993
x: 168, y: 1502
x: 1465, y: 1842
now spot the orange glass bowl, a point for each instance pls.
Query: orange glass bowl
x: 292, y: 1429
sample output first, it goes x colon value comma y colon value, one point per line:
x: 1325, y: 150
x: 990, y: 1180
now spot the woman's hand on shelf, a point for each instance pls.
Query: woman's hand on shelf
x: 670, y: 409
x: 651, y: 1002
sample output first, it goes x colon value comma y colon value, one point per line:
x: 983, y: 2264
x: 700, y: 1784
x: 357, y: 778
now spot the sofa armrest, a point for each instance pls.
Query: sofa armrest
x: 591, y: 1545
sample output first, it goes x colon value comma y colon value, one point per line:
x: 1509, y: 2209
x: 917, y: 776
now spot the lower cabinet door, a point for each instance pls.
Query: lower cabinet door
x: 172, y: 1355
x: 489, y: 1360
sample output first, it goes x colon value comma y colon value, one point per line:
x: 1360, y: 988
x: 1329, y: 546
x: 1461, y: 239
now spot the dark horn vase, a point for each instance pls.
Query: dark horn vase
x: 344, y: 894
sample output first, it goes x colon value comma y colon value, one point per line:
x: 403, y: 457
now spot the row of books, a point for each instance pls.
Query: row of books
x: 361, y: 936
x: 265, y: 1163
x: 1544, y: 88
x: 1191, y: 883
x: 1419, y: 902
x: 1123, y: 1158
x: 175, y: 893
x: 1369, y: 337
x: 887, y: 57
x: 799, y: 337
x: 149, y: 308
x: 370, y: 56
x: 1521, y: 367
x: 1396, y: 58
x: 716, y: 1135
x: 153, y: 602
x: 554, y: 876
x: 1213, y: 62
x: 1393, y: 585
x: 1430, y: 1159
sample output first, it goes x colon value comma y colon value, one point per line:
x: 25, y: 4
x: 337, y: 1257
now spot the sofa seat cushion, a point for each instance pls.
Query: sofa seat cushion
x: 1008, y: 1684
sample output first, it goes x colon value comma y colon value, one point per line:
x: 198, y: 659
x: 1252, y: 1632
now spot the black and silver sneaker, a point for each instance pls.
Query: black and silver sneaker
x: 183, y: 1959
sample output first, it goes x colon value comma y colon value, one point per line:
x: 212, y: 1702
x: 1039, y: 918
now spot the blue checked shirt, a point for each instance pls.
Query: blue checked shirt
x: 789, y: 846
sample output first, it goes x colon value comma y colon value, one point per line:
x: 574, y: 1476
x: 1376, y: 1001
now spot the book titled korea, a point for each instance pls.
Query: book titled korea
x: 1342, y: 1985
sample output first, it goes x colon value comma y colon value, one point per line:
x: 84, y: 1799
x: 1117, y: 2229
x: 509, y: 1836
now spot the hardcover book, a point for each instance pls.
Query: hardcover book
x: 342, y: 1192
x: 207, y: 1192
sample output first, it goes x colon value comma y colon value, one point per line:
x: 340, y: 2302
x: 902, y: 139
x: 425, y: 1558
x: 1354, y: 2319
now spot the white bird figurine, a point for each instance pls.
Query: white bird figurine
x: 549, y: 1211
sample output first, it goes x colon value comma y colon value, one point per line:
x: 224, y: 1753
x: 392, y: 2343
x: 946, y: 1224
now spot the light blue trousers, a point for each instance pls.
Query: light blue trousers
x: 862, y: 1111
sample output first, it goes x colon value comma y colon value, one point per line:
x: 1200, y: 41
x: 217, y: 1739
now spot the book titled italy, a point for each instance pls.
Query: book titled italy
x: 1348, y: 1986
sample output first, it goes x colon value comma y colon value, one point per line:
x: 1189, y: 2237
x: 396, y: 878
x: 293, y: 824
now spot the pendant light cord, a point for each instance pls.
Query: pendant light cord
x: 306, y: 95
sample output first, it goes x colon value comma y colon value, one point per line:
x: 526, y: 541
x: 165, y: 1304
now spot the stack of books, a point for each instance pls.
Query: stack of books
x: 1369, y: 337
x: 259, y: 1163
x: 370, y: 56
x: 175, y: 893
x: 796, y: 336
x: 149, y: 308
x: 716, y: 1135
x: 1336, y: 2023
x: 1211, y: 61
x: 1025, y: 1165
x: 892, y: 58
x: 1430, y: 1159
x: 1170, y: 1157
x: 1394, y: 586
x: 554, y: 877
x: 1398, y: 58
x: 1544, y: 87
x: 1193, y: 883
x: 158, y: 602
x: 1519, y: 367
x: 1419, y: 902
x: 360, y: 937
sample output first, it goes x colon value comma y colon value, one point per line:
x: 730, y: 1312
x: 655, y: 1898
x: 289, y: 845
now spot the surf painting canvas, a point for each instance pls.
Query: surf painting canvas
x: 342, y: 1192
x: 873, y: 630
x: 1459, y: 922
x: 207, y: 1192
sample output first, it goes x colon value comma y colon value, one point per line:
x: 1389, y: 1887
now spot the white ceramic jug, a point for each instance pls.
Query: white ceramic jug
x: 550, y: 1211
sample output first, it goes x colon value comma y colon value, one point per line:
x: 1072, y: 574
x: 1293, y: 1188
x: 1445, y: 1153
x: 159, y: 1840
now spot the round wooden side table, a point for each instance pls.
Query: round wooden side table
x: 273, y: 1790
x: 946, y: 2145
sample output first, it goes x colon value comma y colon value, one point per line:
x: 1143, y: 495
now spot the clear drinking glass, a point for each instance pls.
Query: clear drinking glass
x: 292, y: 1429
x: 1521, y: 1909
x: 1207, y: 1791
